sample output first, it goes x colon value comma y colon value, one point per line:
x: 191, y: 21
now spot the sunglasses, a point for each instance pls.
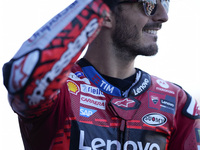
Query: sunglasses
x: 150, y: 6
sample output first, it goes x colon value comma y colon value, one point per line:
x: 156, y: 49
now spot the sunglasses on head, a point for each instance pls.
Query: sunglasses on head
x: 150, y: 6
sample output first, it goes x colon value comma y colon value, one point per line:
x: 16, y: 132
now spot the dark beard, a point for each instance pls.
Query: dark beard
x: 127, y: 44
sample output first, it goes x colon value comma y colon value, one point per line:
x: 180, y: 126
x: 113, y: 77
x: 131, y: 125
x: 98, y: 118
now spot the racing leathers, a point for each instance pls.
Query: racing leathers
x: 67, y: 106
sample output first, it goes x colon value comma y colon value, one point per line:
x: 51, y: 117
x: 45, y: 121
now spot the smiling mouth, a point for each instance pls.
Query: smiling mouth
x: 152, y: 32
x: 152, y: 29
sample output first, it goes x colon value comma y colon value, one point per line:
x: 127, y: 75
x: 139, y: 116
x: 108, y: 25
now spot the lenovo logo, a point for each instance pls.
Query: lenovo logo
x: 142, y: 87
x: 99, y: 143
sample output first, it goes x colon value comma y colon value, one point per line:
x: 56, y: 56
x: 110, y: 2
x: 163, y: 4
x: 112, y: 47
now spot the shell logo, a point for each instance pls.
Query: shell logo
x: 73, y: 87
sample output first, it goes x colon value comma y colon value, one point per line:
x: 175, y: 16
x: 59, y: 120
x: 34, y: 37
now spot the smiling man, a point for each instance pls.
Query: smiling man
x: 101, y: 101
x: 127, y: 33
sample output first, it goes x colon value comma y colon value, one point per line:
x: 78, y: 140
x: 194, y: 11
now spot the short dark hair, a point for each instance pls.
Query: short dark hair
x: 111, y: 3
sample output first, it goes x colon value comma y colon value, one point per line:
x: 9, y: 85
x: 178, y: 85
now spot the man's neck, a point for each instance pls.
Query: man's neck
x: 102, y: 55
x: 109, y: 64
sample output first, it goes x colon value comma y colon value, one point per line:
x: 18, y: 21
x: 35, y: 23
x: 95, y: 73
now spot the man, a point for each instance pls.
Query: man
x: 102, y: 101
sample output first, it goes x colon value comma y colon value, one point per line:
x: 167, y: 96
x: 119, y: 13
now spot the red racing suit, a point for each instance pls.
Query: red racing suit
x: 67, y: 106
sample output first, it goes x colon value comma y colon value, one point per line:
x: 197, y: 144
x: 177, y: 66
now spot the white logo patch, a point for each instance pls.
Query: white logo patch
x: 91, y: 90
x: 85, y: 112
x: 163, y: 84
x: 154, y: 119
x: 99, y: 143
x: 101, y: 104
x: 75, y: 78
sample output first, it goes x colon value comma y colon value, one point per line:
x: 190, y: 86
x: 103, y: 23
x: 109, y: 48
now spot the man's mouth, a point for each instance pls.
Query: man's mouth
x: 153, y: 32
x: 152, y: 29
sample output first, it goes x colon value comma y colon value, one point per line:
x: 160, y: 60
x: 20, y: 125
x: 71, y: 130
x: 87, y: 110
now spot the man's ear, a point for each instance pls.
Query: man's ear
x: 107, y: 22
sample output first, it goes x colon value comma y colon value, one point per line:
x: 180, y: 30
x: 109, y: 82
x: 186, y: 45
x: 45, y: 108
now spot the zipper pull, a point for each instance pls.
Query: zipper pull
x: 123, y: 125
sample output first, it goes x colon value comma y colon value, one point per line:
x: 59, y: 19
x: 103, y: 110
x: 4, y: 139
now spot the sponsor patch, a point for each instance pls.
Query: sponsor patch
x: 167, y: 103
x: 79, y: 74
x: 165, y: 90
x: 85, y: 112
x: 110, y: 142
x: 154, y: 119
x: 124, y: 103
x: 91, y: 90
x: 103, y: 83
x: 124, y: 108
x: 89, y: 101
x: 73, y: 87
x: 162, y: 102
x: 76, y: 78
x: 100, y: 82
x: 142, y: 84
x: 142, y: 87
x: 162, y: 83
x: 192, y: 108
x: 154, y: 99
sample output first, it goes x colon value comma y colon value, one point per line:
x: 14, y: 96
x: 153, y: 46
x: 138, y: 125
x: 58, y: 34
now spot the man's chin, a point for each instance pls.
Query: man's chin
x: 149, y: 50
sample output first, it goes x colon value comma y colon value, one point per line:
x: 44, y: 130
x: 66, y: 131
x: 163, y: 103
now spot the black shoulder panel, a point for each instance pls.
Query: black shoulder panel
x: 191, y: 108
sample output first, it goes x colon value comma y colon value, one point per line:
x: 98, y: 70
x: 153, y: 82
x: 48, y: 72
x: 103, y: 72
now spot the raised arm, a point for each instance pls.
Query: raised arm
x: 40, y: 67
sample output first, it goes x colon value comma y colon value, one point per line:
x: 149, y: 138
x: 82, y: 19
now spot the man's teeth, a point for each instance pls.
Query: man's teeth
x: 151, y: 31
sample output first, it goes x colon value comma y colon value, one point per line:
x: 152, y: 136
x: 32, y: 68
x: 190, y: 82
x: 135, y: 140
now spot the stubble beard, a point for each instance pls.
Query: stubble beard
x: 128, y: 44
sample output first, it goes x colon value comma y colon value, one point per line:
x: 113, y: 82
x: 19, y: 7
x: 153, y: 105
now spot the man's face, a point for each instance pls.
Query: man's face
x: 134, y: 33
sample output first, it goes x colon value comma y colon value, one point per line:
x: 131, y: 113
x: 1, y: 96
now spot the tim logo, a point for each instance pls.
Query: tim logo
x: 96, y: 79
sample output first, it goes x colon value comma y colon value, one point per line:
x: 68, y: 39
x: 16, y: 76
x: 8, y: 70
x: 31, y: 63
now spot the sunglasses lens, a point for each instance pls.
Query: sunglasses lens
x: 149, y: 8
x: 165, y: 4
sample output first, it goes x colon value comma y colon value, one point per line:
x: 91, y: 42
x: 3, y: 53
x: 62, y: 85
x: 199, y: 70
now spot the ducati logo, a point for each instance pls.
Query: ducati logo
x: 154, y: 99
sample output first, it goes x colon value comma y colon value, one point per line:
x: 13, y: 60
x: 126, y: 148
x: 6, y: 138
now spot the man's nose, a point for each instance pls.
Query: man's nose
x: 160, y: 14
